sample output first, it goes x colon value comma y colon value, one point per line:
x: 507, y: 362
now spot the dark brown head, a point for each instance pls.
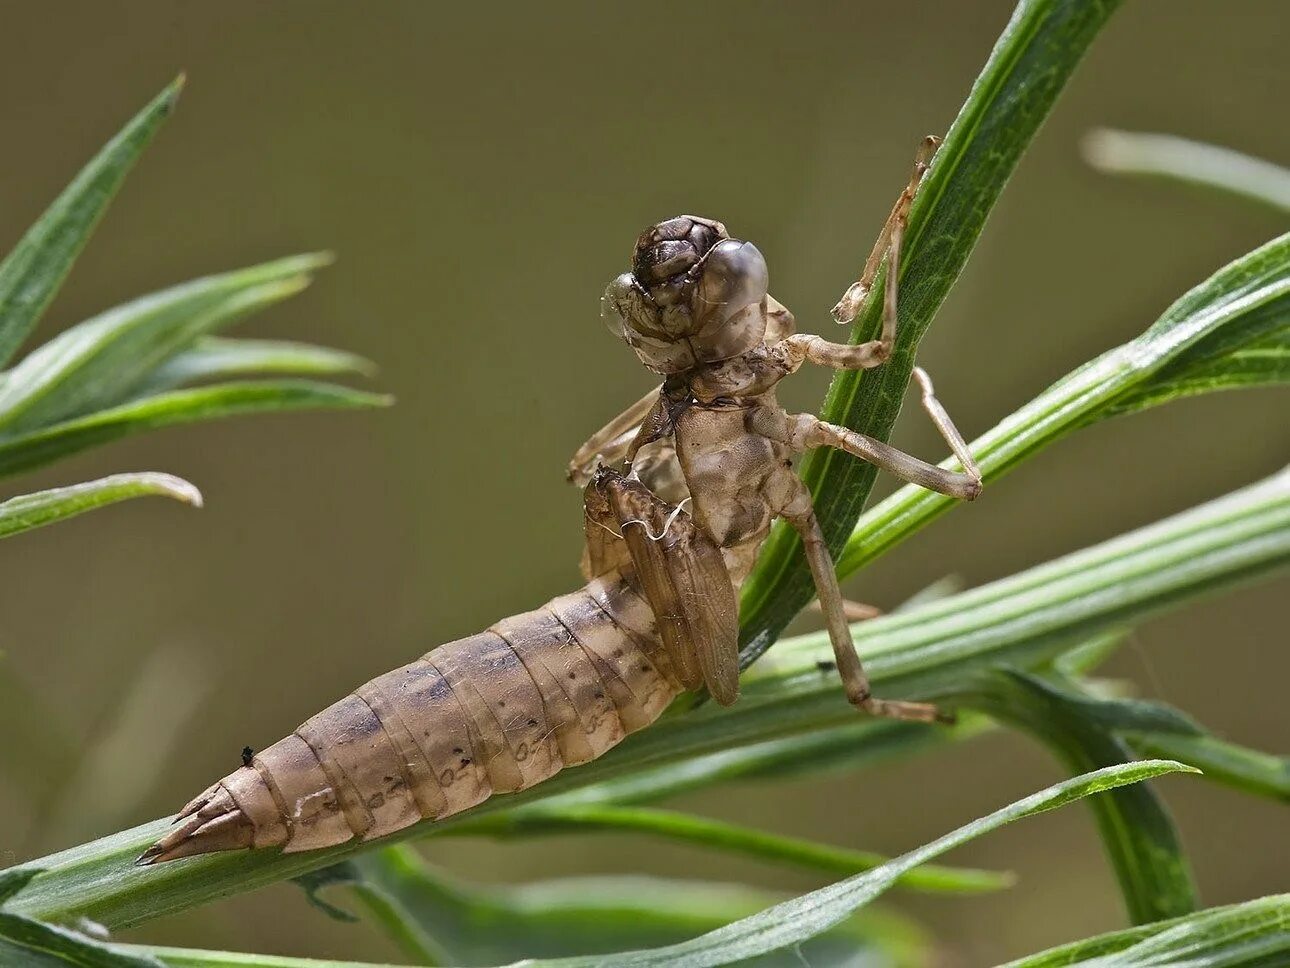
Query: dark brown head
x: 694, y: 295
x: 668, y: 256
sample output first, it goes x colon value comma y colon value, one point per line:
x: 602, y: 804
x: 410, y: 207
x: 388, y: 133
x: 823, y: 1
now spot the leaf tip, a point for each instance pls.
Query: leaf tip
x: 320, y: 259
x: 170, y: 96
x: 1171, y: 766
x: 1103, y: 149
x: 176, y: 487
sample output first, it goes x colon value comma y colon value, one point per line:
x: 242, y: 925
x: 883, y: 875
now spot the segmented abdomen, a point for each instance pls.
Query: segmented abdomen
x: 493, y: 713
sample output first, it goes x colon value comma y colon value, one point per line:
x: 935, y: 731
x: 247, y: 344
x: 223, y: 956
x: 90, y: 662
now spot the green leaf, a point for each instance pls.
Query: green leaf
x: 1229, y: 331
x: 1191, y: 163
x: 177, y: 407
x: 1255, y: 933
x: 1030, y: 64
x: 196, y: 958
x: 100, y: 362
x: 1137, y: 832
x: 32, y: 273
x: 1262, y: 774
x: 34, y: 944
x: 1251, y: 351
x: 793, y: 922
x: 45, y: 507
x: 1025, y: 621
x: 14, y: 880
x: 437, y: 919
x: 217, y: 358
x: 719, y: 835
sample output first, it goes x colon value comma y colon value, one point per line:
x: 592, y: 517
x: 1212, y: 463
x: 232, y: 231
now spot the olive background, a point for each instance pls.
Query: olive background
x: 482, y: 171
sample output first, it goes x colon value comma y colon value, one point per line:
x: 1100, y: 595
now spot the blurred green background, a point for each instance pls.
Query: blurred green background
x: 482, y: 171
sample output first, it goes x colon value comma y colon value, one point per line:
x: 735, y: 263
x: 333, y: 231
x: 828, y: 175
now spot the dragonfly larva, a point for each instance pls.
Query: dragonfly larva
x: 705, y: 468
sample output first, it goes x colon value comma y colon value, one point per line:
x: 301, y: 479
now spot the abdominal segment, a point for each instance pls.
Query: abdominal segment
x: 493, y: 713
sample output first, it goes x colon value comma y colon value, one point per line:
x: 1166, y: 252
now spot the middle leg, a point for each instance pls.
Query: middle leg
x: 803, y: 431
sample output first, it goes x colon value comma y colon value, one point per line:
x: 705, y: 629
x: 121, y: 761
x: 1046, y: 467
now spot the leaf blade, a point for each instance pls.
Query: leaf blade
x: 1248, y: 299
x: 28, y: 511
x: 1251, y: 933
x: 39, y: 945
x: 219, y: 358
x: 176, y: 407
x: 803, y: 917
x: 438, y: 918
x: 733, y: 838
x: 99, y: 362
x: 1136, y: 829
x: 1188, y: 162
x: 32, y: 273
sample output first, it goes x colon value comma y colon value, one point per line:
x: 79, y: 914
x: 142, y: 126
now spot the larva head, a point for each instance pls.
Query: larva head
x: 694, y: 296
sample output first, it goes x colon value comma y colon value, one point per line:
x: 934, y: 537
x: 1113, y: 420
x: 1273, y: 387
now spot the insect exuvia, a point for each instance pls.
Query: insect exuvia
x: 670, y: 535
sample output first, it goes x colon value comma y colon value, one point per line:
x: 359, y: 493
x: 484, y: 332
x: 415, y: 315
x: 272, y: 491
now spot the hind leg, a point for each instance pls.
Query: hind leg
x: 800, y: 513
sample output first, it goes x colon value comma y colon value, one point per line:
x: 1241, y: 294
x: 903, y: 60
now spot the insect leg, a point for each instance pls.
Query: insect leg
x: 803, y: 431
x: 854, y: 611
x: 949, y: 433
x: 849, y: 667
x: 889, y: 240
x: 907, y: 467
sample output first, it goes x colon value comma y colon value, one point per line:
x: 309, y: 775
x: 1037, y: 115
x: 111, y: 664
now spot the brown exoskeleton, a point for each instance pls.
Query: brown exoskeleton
x: 695, y: 308
x: 552, y: 688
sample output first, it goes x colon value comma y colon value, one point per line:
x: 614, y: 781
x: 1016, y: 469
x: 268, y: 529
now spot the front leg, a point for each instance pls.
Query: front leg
x: 888, y: 243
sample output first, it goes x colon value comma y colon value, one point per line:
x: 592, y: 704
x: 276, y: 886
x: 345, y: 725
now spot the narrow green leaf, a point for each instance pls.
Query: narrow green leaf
x: 1255, y: 933
x: 1253, y: 351
x: 196, y: 958
x: 1025, y: 621
x: 45, y: 507
x: 1030, y: 64
x: 1202, y: 342
x: 176, y: 407
x: 99, y: 362
x: 32, y: 273
x: 856, y: 744
x: 437, y: 919
x: 1262, y: 774
x: 1192, y: 163
x: 217, y: 358
x: 732, y: 838
x: 14, y: 880
x: 793, y: 922
x: 34, y: 944
x: 1137, y: 832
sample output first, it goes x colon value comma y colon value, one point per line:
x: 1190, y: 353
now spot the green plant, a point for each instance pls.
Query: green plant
x: 130, y: 369
x: 1016, y: 653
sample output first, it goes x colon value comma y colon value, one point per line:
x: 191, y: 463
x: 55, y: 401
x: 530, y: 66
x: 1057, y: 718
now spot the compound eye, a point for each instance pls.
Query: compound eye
x: 625, y: 309
x: 734, y: 277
